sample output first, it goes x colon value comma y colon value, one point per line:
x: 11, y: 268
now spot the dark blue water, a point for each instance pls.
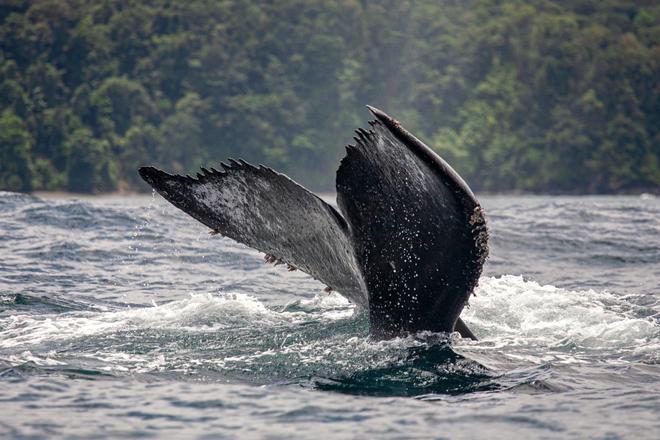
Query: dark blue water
x: 121, y: 316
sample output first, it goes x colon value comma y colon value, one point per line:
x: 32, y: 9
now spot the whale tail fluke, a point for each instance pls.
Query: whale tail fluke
x: 409, y: 243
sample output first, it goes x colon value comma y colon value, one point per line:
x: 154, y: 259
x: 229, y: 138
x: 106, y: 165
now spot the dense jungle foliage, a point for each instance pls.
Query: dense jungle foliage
x: 548, y: 95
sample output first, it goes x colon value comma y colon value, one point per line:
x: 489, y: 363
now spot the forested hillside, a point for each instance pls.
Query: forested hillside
x: 560, y: 96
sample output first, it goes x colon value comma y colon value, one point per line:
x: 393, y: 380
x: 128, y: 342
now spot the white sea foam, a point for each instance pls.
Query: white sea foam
x: 47, y: 359
x: 509, y: 310
x: 198, y: 313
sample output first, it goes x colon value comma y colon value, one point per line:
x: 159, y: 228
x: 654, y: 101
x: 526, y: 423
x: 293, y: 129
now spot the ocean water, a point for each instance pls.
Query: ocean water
x: 122, y: 317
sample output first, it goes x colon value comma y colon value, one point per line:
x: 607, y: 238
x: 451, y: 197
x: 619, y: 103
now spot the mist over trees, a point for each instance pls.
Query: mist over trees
x: 559, y: 96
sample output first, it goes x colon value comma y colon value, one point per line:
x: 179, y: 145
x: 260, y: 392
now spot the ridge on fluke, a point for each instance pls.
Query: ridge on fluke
x: 407, y: 243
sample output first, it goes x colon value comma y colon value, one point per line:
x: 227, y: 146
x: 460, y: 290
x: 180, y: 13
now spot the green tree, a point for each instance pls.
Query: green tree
x: 90, y: 168
x: 16, y: 166
x: 553, y: 95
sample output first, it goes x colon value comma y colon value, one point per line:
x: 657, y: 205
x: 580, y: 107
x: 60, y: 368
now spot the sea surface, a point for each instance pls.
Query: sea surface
x: 122, y: 317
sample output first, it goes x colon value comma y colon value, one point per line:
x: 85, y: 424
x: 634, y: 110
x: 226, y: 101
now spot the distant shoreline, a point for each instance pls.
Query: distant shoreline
x: 74, y: 195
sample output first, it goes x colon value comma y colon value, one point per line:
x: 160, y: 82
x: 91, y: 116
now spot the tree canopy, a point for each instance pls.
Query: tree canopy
x: 547, y: 96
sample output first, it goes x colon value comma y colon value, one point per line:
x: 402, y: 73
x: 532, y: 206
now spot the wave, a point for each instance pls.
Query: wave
x: 198, y: 313
x: 509, y: 311
x: 508, y: 314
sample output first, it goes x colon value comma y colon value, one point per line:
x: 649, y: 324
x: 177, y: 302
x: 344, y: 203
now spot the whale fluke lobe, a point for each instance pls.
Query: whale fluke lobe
x: 271, y: 213
x: 408, y: 243
x: 417, y: 229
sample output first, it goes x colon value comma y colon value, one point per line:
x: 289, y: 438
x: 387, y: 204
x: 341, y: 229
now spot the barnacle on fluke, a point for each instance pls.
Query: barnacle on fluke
x: 408, y: 242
